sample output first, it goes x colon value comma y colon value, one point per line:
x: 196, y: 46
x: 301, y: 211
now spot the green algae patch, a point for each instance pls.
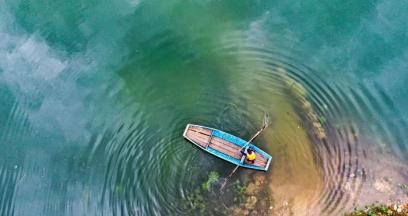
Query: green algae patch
x: 241, y: 197
x: 381, y: 210
x: 198, y: 201
x: 252, y: 197
x: 213, y: 177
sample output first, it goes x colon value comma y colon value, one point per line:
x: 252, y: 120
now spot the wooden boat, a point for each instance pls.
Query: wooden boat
x: 226, y: 146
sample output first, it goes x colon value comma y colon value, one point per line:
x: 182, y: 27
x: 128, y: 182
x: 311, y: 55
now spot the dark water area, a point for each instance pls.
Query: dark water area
x: 95, y: 95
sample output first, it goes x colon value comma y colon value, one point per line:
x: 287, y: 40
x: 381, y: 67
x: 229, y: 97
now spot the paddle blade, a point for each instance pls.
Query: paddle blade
x: 266, y: 120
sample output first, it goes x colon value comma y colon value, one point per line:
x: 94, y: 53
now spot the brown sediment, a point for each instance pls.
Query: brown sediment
x: 256, y: 198
x: 294, y: 178
x: 293, y: 182
x: 381, y: 182
x: 385, y: 180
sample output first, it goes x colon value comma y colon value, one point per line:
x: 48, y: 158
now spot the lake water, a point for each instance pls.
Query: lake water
x: 95, y: 95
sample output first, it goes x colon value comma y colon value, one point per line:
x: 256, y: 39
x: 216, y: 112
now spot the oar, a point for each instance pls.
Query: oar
x: 265, y: 125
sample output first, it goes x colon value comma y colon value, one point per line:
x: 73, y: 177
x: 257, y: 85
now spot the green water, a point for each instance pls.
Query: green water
x: 95, y: 95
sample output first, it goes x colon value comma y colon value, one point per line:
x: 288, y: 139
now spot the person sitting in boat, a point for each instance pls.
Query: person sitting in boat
x: 249, y: 155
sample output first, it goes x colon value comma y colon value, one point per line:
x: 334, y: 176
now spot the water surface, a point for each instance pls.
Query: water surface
x: 95, y: 96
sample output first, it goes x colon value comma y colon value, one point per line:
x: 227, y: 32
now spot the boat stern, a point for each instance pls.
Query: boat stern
x: 269, y: 163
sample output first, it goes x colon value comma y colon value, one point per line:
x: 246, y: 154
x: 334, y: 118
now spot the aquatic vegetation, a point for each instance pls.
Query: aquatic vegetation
x: 295, y: 87
x: 198, y: 200
x: 252, y: 198
x: 240, y: 188
x: 299, y: 92
x: 120, y: 189
x: 240, y: 191
x: 381, y: 210
x: 213, y: 177
x: 238, y: 198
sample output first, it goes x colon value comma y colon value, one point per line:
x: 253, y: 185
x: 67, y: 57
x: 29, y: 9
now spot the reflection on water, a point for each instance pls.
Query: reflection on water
x: 94, y: 102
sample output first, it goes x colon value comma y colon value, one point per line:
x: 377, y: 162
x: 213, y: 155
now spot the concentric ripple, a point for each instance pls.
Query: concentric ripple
x: 336, y: 114
x: 95, y: 96
x: 150, y: 169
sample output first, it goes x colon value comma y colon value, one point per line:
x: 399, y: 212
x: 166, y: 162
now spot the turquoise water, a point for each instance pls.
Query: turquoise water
x: 95, y: 95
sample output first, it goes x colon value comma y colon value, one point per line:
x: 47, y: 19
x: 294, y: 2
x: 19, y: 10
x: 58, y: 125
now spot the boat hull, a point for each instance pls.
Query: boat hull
x: 225, y: 146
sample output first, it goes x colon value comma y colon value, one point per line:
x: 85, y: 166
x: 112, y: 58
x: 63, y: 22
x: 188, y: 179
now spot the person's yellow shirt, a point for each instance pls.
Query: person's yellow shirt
x: 251, y: 156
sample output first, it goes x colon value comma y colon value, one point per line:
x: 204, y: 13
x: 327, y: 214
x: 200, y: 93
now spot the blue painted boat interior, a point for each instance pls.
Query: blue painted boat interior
x: 239, y: 142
